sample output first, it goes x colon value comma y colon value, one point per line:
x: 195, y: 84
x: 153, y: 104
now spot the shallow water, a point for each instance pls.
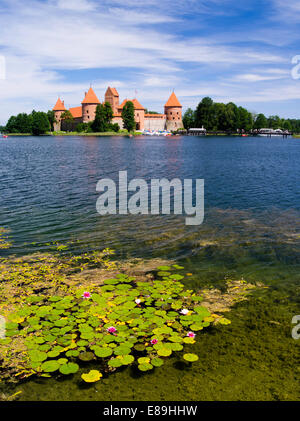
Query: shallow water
x: 251, y: 230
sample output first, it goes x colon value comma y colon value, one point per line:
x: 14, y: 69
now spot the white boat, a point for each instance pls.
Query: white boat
x: 273, y: 132
x: 156, y: 133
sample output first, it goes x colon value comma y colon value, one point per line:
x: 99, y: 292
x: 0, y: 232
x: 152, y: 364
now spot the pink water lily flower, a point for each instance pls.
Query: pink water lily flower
x: 86, y: 294
x: 111, y: 329
x: 191, y: 334
x: 154, y: 341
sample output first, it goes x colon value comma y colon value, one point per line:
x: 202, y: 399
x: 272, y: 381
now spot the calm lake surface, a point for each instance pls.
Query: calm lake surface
x: 251, y: 230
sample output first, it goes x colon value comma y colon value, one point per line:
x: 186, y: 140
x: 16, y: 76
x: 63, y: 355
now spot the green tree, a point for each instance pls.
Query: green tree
x: 274, y: 122
x: 260, y: 122
x: 128, y: 116
x: 11, y: 126
x: 68, y: 120
x: 245, y: 119
x: 51, y: 118
x: 189, y: 119
x: 40, y: 123
x: 100, y: 122
x: 287, y: 125
x: 108, y: 113
x: 204, y: 115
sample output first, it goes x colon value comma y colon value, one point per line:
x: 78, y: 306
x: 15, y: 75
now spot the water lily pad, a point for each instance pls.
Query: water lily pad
x: 126, y: 359
x: 157, y: 362
x: 164, y: 268
x: 164, y: 352
x: 86, y: 356
x: 50, y: 366
x: 69, y: 368
x: 191, y: 357
x: 102, y: 352
x: 37, y: 356
x: 91, y: 377
x: 145, y: 367
x: 144, y: 360
x: 188, y: 340
x: 115, y: 362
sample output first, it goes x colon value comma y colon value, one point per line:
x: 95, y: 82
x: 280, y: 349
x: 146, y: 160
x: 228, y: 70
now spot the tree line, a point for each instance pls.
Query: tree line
x: 216, y: 116
x: 38, y: 123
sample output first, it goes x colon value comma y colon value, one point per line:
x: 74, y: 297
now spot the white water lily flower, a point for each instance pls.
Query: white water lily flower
x: 138, y: 301
x: 185, y: 311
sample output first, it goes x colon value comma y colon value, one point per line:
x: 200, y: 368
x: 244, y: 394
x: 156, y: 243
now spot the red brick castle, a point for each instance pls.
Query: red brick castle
x: 170, y: 120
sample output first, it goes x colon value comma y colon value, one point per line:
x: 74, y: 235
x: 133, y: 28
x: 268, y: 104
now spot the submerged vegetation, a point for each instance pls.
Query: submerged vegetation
x: 74, y: 319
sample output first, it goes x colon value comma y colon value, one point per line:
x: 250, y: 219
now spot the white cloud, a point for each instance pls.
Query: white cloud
x: 76, y: 5
x: 42, y: 39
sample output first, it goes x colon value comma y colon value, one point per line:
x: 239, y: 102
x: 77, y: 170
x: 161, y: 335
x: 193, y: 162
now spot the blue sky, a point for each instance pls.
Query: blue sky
x: 228, y: 50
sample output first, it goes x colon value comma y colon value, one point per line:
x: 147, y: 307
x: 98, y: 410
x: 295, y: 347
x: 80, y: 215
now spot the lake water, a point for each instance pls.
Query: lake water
x: 251, y: 230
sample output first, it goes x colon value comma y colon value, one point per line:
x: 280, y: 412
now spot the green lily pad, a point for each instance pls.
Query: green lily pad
x: 103, y: 352
x: 91, y: 377
x: 164, y: 352
x: 37, y: 356
x: 145, y: 367
x: 50, y: 366
x: 191, y: 357
x: 86, y: 356
x: 69, y: 368
x: 126, y: 359
x: 115, y: 362
x: 157, y: 362
x: 122, y: 350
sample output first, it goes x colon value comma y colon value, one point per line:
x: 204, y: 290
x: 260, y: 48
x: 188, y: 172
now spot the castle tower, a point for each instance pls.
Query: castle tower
x: 58, y: 109
x: 112, y: 97
x: 89, y: 105
x: 173, y: 111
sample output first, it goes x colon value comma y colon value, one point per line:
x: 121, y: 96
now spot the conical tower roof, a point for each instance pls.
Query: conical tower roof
x: 173, y: 101
x: 59, y: 106
x: 90, y: 97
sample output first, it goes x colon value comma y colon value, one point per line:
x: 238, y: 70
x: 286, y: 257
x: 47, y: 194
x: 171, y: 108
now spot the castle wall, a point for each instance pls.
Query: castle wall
x: 173, y: 125
x: 155, y: 123
x: 119, y: 121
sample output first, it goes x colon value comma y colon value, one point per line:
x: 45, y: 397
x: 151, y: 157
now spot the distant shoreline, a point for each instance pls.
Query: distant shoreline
x: 110, y: 134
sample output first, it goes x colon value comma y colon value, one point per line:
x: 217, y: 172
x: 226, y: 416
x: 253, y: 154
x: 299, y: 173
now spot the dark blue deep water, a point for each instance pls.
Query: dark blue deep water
x: 48, y: 187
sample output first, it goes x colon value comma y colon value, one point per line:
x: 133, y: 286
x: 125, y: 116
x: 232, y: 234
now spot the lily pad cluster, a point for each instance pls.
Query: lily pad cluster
x: 122, y: 322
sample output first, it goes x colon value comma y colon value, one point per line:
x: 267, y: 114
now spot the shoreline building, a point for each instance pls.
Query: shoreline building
x: 170, y: 120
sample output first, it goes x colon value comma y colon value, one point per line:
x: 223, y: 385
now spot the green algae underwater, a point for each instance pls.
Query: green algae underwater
x: 252, y: 358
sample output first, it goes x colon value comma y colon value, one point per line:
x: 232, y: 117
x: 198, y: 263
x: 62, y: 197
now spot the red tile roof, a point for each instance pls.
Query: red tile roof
x: 59, y: 106
x: 90, y: 97
x: 76, y: 112
x: 137, y: 105
x: 173, y: 101
x: 113, y: 91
